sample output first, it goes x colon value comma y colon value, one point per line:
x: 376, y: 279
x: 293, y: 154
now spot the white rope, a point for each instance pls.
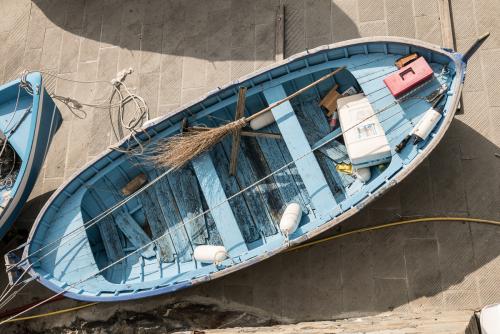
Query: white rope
x: 14, y: 294
x: 138, y: 118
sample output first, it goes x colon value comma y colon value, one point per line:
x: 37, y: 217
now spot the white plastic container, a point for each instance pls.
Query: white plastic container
x: 210, y: 254
x: 290, y: 219
x: 262, y: 121
x: 364, y: 137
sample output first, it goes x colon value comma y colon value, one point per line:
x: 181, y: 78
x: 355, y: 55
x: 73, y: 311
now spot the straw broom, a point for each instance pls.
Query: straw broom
x: 176, y: 151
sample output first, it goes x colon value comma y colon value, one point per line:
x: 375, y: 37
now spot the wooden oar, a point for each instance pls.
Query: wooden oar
x: 177, y: 150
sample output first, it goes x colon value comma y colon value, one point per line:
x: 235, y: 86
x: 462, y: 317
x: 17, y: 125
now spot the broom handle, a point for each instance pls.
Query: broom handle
x: 289, y: 97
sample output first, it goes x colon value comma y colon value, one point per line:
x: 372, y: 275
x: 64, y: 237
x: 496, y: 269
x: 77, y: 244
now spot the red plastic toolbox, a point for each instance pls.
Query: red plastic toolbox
x: 409, y: 77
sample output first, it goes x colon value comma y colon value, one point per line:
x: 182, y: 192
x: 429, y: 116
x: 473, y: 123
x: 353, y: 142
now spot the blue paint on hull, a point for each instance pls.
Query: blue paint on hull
x: 71, y: 254
x: 30, y: 140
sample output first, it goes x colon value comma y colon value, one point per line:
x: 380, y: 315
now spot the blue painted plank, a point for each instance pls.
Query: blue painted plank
x: 329, y: 137
x: 296, y: 141
x: 188, y: 197
x: 157, y: 224
x: 284, y: 179
x: 213, y: 234
x: 315, y: 126
x: 230, y: 184
x: 263, y: 213
x: 293, y: 170
x: 125, y: 222
x: 260, y: 169
x: 262, y: 200
x: 113, y: 247
x: 136, y: 235
x: 168, y: 205
x: 276, y: 154
x: 220, y: 208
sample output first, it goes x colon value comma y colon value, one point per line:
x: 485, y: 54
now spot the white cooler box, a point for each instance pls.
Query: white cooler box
x: 364, y: 137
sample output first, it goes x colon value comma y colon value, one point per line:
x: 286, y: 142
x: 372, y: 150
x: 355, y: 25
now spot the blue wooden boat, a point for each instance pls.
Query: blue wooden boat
x: 28, y: 120
x: 93, y: 242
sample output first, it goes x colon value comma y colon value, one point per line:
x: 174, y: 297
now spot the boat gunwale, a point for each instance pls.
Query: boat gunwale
x: 398, y: 177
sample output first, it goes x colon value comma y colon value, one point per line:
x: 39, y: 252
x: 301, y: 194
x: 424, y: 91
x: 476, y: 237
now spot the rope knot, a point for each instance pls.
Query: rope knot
x: 237, y: 125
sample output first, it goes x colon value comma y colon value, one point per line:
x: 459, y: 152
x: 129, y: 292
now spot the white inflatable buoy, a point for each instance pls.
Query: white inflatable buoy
x: 262, y: 121
x: 210, y: 254
x: 290, y: 219
x: 490, y: 319
x: 427, y: 123
x: 363, y: 174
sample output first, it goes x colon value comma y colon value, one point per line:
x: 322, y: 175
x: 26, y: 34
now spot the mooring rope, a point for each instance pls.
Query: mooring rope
x: 133, y: 125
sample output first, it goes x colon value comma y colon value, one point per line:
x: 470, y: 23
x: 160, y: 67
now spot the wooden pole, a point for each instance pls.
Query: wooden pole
x: 178, y: 150
x: 235, y: 146
x: 291, y: 96
x: 279, y: 45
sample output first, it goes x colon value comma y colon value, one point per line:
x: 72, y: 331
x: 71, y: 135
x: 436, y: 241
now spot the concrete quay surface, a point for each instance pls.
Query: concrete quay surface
x: 179, y: 50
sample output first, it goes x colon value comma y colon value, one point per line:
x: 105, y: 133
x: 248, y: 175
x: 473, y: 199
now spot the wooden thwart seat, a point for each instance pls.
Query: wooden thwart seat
x: 222, y: 214
x: 135, y: 234
x: 157, y: 224
x: 296, y: 141
x: 113, y: 248
x: 129, y: 226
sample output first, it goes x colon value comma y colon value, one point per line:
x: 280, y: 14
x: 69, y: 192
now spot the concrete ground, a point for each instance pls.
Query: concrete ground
x: 181, y: 49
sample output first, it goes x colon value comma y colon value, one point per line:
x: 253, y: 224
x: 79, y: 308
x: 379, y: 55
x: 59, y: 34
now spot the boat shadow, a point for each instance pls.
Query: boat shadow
x: 211, y: 30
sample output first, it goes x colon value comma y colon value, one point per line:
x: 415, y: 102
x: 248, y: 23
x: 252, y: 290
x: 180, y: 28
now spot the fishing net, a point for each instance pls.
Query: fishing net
x: 10, y: 164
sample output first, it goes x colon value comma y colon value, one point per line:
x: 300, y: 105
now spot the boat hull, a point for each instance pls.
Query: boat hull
x: 41, y: 124
x: 396, y: 171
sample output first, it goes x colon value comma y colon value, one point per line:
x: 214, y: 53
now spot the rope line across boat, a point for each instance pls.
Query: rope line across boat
x: 294, y: 248
x: 181, y: 224
x: 90, y: 222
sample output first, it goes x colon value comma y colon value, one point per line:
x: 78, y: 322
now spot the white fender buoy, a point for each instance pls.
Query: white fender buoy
x: 210, y: 254
x: 262, y: 121
x: 290, y: 219
x: 363, y: 174
x: 427, y: 123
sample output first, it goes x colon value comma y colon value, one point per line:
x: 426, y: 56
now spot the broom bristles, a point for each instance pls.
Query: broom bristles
x: 178, y: 150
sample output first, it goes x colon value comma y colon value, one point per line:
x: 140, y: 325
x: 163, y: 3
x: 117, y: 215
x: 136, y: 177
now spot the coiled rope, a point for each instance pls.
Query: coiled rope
x: 133, y: 125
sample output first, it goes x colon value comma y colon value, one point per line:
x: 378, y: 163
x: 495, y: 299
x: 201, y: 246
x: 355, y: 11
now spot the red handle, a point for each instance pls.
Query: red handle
x: 408, y: 70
